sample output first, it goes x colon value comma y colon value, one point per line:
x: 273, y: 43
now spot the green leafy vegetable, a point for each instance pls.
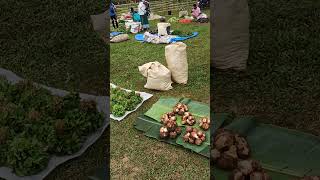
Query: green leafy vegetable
x: 122, y: 101
x: 182, y: 33
x: 35, y: 125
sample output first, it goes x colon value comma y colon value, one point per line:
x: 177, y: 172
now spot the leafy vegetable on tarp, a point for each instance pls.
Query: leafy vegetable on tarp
x: 122, y: 101
x: 34, y: 125
x: 119, y: 107
x: 182, y: 33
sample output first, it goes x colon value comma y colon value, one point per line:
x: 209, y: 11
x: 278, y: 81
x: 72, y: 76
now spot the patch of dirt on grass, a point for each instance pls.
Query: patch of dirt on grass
x: 125, y: 169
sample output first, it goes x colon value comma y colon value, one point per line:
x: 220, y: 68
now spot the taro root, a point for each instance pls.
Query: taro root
x: 180, y: 109
x: 169, y: 122
x: 189, y: 129
x: 242, y: 146
x: 237, y: 175
x: 204, y: 123
x: 198, y: 142
x: 259, y: 175
x: 171, y: 125
x: 165, y: 118
x: 232, y: 152
x: 3, y: 135
x: 178, y: 130
x: 173, y: 134
x: 164, y: 132
x: 249, y: 169
x: 223, y: 140
x: 194, y: 136
x: 246, y: 167
x: 228, y: 159
x: 226, y: 162
x: 186, y: 137
x: 188, y: 119
x: 232, y: 148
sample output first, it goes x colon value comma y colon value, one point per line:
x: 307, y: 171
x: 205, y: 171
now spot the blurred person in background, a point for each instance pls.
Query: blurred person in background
x: 113, y: 15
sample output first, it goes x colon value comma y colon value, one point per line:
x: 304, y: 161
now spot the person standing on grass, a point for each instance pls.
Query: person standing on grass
x: 195, y: 11
x: 142, y: 10
x: 135, y: 15
x: 113, y: 15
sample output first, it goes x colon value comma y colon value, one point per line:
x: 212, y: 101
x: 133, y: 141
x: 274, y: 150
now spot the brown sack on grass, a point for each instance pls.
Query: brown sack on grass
x: 230, y: 33
x: 100, y: 22
x: 120, y: 38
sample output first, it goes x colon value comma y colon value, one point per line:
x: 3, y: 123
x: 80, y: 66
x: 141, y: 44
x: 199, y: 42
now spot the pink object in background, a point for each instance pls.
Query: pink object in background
x: 196, y: 12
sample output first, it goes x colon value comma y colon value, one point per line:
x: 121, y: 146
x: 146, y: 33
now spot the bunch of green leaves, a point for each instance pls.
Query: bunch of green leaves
x: 122, y: 101
x: 122, y: 28
x: 35, y: 125
x: 26, y: 156
x: 182, y: 33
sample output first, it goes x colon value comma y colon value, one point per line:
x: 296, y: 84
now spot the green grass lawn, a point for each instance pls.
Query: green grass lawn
x: 282, y: 82
x: 132, y: 154
x: 53, y: 43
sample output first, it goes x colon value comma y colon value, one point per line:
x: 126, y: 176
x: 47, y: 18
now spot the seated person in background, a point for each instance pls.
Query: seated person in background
x: 163, y: 27
x: 195, y: 11
x: 135, y: 15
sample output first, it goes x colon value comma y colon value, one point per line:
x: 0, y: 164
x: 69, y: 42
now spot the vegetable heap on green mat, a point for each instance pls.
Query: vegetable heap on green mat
x: 35, y: 125
x: 171, y: 129
x: 230, y: 151
x: 122, y: 101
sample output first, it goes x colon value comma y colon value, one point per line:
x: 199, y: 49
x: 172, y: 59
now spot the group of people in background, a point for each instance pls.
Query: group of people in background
x: 143, y: 12
x: 141, y: 15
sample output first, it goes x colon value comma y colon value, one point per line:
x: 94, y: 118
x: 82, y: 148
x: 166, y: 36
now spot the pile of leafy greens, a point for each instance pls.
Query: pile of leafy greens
x: 183, y: 33
x: 122, y: 101
x: 35, y: 125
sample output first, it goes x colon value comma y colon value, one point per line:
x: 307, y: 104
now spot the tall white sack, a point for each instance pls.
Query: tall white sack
x: 176, y: 58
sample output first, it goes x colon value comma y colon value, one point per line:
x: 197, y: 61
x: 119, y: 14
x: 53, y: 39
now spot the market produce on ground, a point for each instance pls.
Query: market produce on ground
x: 35, y: 125
x: 122, y: 101
x: 182, y: 33
x: 230, y: 151
x: 166, y: 123
x: 272, y: 146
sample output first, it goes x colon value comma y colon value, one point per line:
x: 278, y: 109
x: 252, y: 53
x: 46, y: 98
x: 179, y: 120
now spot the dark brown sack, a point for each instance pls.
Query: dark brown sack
x: 230, y: 33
